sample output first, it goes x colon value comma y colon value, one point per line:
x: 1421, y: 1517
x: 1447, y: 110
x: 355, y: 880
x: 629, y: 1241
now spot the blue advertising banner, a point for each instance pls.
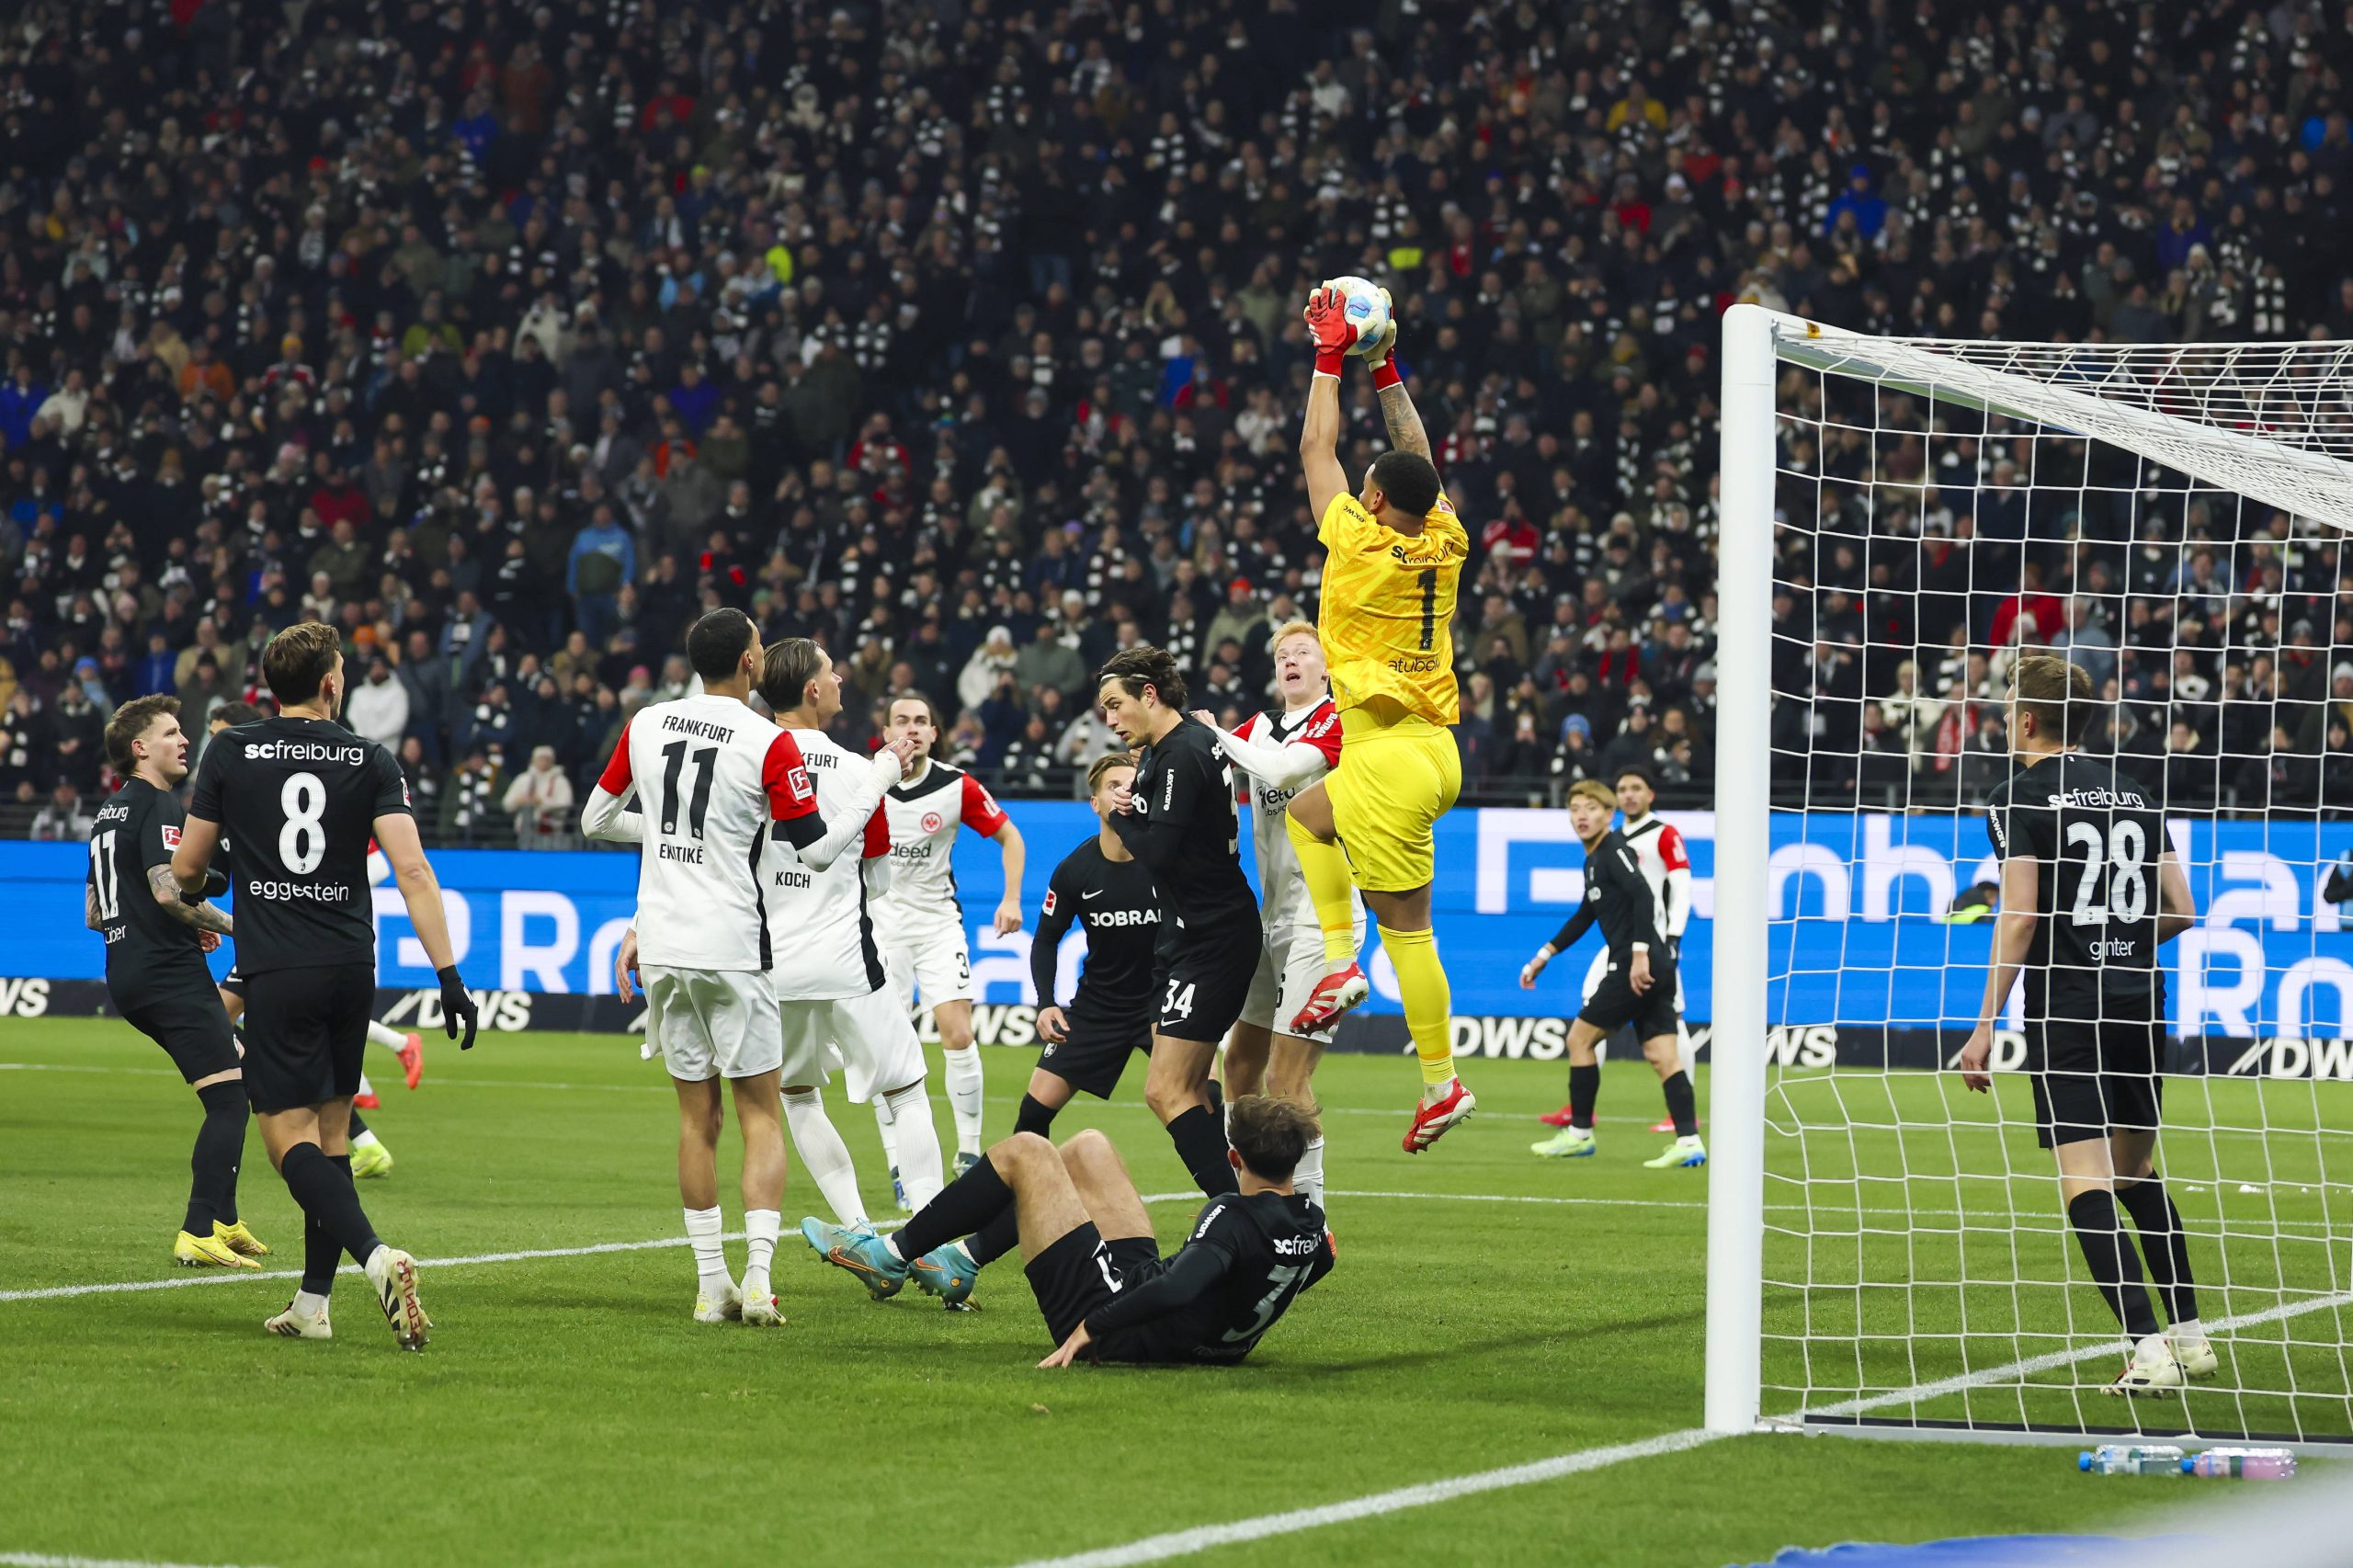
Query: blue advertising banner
x: 1851, y: 897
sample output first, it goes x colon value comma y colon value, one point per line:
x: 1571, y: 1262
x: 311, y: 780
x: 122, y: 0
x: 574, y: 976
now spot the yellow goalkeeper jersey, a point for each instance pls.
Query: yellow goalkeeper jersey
x: 1387, y: 605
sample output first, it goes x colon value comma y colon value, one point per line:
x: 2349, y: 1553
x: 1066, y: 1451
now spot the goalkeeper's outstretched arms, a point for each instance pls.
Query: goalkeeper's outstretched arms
x: 1319, y: 433
x: 1397, y: 411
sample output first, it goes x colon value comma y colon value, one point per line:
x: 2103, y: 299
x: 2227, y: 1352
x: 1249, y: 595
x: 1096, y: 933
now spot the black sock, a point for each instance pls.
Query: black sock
x: 964, y: 1206
x: 322, y: 1185
x: 212, y: 1165
x: 996, y: 1238
x: 1681, y: 1107
x: 2159, y: 1222
x: 1585, y: 1085
x: 2116, y: 1267
x: 1199, y: 1137
x: 357, y: 1126
x: 1033, y: 1117
x: 1216, y: 1092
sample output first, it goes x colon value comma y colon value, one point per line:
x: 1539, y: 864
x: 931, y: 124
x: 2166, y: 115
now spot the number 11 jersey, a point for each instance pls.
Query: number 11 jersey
x: 298, y: 798
x: 2097, y: 839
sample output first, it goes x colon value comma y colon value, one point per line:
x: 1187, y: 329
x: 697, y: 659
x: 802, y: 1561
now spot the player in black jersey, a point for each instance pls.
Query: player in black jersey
x: 1110, y: 894
x: 2090, y: 892
x: 1106, y: 1293
x: 1177, y: 819
x: 1638, y: 989
x: 156, y: 938
x: 300, y: 797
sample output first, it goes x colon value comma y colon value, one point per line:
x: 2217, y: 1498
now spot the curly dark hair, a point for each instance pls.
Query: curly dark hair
x: 1145, y: 666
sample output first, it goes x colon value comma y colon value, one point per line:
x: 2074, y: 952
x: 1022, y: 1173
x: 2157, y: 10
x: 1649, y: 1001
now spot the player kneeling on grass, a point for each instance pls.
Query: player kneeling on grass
x: 2090, y: 890
x: 1106, y: 1293
x: 1638, y: 989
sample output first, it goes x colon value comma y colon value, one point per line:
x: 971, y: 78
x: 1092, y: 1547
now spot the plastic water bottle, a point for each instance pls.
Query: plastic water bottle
x: 2124, y: 1459
x: 2252, y: 1464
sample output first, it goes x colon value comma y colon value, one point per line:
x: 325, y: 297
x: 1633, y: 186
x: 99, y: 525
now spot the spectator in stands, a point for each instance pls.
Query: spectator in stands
x: 62, y: 818
x: 377, y: 707
x: 541, y: 800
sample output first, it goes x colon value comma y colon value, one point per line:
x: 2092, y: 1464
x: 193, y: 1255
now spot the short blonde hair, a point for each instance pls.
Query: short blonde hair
x: 1294, y: 629
x: 1594, y: 789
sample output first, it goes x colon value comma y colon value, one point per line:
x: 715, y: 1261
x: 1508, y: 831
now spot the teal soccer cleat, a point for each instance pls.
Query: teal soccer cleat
x: 948, y: 1273
x: 860, y: 1252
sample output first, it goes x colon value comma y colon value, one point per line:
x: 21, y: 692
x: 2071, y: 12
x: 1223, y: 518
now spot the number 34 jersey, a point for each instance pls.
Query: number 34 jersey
x: 299, y: 797
x: 2097, y: 840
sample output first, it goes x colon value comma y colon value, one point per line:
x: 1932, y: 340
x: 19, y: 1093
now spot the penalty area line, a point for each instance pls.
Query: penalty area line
x: 1203, y: 1538
x: 50, y: 1559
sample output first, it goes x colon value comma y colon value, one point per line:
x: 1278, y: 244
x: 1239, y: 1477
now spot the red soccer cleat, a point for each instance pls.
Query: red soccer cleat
x: 412, y: 1059
x: 1333, y: 994
x: 366, y: 1102
x: 1559, y: 1117
x: 1667, y: 1125
x: 1432, y: 1117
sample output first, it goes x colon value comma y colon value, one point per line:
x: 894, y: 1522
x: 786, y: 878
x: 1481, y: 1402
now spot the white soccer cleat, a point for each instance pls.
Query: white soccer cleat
x: 759, y: 1302
x: 393, y: 1273
x: 2197, y: 1358
x: 296, y: 1324
x: 727, y: 1308
x: 2151, y: 1373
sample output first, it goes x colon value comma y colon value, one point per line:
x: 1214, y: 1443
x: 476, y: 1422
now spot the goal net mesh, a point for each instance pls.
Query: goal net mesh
x: 2171, y: 519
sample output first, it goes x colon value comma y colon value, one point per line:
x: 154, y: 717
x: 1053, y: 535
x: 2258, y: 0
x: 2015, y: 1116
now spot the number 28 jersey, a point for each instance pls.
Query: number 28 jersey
x: 1387, y: 602
x: 298, y: 798
x: 2096, y: 840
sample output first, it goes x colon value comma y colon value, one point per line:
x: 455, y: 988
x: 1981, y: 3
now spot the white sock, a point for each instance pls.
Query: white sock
x: 761, y: 1227
x: 365, y: 1086
x: 385, y: 1034
x: 921, y: 1170
x: 703, y: 1226
x: 2188, y: 1330
x: 364, y: 1139
x: 309, y: 1304
x: 965, y: 1083
x: 824, y: 1156
x: 890, y: 1133
x: 1309, y: 1177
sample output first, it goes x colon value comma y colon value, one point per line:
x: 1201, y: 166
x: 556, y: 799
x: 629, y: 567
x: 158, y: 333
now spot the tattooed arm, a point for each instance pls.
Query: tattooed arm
x: 203, y: 917
x: 1406, y: 432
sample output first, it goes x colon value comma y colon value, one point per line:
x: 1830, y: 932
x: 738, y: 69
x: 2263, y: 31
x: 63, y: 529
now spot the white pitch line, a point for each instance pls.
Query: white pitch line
x: 46, y: 1560
x: 1202, y: 1538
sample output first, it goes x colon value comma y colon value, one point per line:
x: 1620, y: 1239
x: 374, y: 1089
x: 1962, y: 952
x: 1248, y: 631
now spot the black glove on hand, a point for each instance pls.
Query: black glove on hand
x: 457, y: 1005
x: 216, y: 882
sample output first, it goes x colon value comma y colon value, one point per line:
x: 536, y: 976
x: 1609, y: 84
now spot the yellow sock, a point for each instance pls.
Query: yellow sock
x: 1428, y: 1000
x: 1330, y: 889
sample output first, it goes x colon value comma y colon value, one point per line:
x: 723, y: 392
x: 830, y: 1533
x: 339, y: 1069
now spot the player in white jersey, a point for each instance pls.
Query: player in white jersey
x: 709, y: 777
x: 1666, y: 864
x: 921, y: 921
x: 837, y: 1006
x: 1275, y: 756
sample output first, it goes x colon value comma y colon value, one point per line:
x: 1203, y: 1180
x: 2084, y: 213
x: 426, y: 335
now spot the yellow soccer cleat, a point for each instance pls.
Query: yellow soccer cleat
x: 206, y: 1251
x: 370, y: 1160
x: 239, y: 1240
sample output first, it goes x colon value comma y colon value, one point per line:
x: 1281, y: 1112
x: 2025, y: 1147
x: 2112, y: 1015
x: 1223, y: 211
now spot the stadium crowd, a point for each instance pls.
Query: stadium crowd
x: 965, y: 338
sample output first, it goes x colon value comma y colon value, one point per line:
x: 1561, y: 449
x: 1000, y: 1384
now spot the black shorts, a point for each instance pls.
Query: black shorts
x: 1614, y: 1006
x: 1081, y: 1273
x: 1202, y: 980
x: 2092, y: 1079
x: 190, y: 1026
x: 1097, y: 1050
x: 233, y: 984
x: 305, y: 1030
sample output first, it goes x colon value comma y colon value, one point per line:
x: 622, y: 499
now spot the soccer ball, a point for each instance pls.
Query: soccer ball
x: 1368, y: 307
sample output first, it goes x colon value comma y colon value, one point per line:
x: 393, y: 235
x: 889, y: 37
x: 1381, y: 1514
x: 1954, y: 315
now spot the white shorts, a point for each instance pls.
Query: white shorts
x: 713, y: 1022
x: 1288, y: 967
x: 869, y: 1039
x: 931, y: 958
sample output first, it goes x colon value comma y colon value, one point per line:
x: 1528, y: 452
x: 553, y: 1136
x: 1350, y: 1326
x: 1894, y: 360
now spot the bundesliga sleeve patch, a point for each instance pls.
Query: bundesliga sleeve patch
x: 799, y: 780
x: 1048, y: 908
x: 171, y: 836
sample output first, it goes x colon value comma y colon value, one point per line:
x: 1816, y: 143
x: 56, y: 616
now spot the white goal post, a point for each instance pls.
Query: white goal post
x: 1887, y: 1253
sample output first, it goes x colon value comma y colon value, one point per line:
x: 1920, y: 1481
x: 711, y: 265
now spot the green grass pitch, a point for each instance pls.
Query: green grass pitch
x: 568, y: 1411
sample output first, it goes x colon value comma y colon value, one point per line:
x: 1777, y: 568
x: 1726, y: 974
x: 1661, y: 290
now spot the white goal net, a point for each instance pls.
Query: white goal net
x: 1903, y: 520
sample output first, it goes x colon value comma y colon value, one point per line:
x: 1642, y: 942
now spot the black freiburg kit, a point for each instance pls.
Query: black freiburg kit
x: 2095, y: 990
x: 1182, y: 829
x: 1211, y: 1301
x: 1619, y: 896
x: 1111, y: 1015
x: 298, y: 798
x: 156, y: 968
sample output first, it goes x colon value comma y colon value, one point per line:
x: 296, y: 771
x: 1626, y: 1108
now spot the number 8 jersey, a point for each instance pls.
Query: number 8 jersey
x: 2098, y: 841
x: 299, y: 797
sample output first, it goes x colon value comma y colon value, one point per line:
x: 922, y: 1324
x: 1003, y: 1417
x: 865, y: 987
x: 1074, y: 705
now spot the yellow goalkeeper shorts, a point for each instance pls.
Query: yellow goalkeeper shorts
x: 1393, y: 782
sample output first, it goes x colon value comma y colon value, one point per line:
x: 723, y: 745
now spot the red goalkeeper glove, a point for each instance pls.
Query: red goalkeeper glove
x: 1381, y: 353
x: 1328, y: 324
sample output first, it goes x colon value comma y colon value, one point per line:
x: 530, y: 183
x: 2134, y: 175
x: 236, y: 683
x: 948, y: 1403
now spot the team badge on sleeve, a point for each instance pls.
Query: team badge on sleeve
x: 171, y: 836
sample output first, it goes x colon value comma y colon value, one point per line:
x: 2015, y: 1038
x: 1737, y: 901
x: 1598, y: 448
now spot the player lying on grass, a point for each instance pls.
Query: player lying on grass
x: 1386, y: 607
x: 2090, y: 890
x: 1275, y: 755
x: 370, y: 1157
x: 1106, y: 1293
x: 155, y: 941
x: 1638, y: 989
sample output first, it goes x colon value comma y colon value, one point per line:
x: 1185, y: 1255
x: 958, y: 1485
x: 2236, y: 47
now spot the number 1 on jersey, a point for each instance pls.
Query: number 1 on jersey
x: 1429, y: 606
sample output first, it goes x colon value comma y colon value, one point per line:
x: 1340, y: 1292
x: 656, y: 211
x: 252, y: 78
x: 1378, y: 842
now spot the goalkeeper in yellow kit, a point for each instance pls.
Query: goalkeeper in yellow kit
x: 1394, y: 554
